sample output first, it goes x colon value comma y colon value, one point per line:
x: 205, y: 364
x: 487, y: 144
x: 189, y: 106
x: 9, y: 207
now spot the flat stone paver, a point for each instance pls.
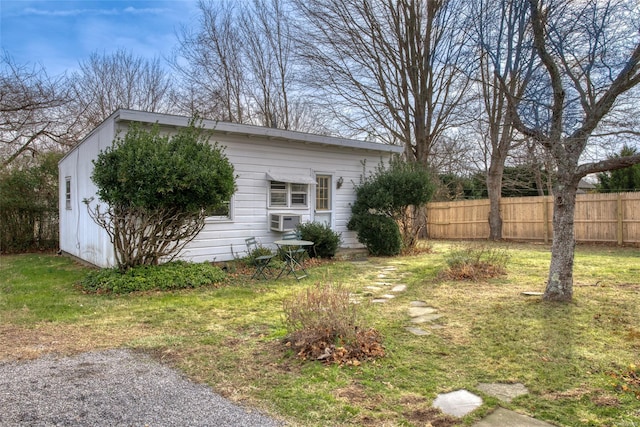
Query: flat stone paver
x: 503, y: 417
x: 426, y: 318
x: 419, y: 332
x: 458, y: 403
x: 421, y: 311
x: 399, y: 288
x: 379, y: 300
x: 418, y: 304
x: 503, y: 391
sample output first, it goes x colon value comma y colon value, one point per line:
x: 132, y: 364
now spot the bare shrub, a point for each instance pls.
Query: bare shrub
x: 476, y: 262
x: 324, y: 325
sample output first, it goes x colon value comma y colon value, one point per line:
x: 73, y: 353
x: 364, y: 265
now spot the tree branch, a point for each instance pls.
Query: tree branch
x: 607, y: 165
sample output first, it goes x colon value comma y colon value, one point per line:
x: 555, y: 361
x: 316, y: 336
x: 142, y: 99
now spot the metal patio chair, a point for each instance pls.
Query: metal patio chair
x: 261, y: 262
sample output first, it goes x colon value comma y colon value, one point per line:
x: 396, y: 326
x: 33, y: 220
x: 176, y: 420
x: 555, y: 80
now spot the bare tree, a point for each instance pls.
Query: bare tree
x: 241, y: 62
x: 31, y: 118
x: 394, y: 67
x: 209, y: 61
x: 266, y: 32
x: 118, y: 80
x: 505, y: 53
x: 590, y: 52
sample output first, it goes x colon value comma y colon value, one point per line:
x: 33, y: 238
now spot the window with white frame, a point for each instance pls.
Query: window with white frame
x: 221, y: 213
x: 288, y: 195
x: 323, y: 192
x: 67, y: 192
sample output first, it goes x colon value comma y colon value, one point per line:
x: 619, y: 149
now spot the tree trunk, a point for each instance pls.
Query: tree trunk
x: 494, y: 190
x: 560, y: 283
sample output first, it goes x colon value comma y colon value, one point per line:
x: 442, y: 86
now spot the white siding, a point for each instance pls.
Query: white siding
x: 252, y: 156
x: 252, y: 160
x: 80, y: 236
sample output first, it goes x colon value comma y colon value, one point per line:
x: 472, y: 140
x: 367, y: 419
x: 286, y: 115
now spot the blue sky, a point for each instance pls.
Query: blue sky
x: 60, y: 33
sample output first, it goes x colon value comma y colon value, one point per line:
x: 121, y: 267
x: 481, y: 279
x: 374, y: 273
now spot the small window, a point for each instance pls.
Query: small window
x: 221, y: 213
x: 284, y: 194
x: 67, y: 192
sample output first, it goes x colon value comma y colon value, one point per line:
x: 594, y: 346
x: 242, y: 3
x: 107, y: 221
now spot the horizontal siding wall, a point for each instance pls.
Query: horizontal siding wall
x: 223, y: 240
x: 610, y: 218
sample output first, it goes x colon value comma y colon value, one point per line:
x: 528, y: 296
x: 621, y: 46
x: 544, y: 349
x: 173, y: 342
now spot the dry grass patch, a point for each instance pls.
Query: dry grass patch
x: 476, y: 262
x: 325, y: 325
x: 21, y: 343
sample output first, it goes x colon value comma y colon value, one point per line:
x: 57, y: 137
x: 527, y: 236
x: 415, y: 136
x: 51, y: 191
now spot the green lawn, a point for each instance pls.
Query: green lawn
x: 580, y: 361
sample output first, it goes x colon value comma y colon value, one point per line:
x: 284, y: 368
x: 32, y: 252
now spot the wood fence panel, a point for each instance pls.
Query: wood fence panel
x: 611, y: 218
x: 630, y: 217
x: 466, y: 219
x: 595, y: 218
x: 523, y: 218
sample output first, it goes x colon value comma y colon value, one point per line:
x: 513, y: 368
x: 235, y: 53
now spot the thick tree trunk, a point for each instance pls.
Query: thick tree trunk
x: 494, y: 190
x: 560, y: 283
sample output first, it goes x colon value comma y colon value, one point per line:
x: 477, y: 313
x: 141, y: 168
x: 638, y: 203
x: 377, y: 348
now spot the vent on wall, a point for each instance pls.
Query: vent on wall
x: 284, y: 222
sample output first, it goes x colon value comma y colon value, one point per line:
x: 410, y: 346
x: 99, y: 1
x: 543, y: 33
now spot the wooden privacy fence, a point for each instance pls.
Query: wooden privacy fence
x: 598, y: 218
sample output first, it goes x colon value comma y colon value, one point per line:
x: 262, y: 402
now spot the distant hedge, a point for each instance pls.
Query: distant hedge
x: 29, y: 205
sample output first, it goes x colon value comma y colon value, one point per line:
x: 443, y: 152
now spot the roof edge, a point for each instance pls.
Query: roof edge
x: 252, y: 130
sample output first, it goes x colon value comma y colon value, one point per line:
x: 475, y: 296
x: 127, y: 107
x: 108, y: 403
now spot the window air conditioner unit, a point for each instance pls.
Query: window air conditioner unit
x: 284, y: 222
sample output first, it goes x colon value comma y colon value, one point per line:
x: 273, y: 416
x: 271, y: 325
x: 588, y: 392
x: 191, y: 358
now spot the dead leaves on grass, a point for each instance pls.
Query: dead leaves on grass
x: 367, y: 345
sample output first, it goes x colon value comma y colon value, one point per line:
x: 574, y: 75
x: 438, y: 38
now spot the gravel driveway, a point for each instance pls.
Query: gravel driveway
x: 112, y: 388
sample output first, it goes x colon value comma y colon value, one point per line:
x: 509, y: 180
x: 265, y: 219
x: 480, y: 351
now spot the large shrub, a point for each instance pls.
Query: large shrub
x: 158, y: 188
x: 387, y: 205
x: 325, y: 240
x: 29, y: 204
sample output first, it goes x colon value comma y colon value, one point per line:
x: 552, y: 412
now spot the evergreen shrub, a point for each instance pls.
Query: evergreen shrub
x: 325, y: 240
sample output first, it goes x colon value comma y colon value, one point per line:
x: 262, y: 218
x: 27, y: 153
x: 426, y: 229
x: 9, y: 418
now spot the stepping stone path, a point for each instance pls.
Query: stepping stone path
x: 461, y: 402
x: 386, y: 287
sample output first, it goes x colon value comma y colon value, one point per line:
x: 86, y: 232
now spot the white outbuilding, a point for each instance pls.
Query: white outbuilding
x: 283, y: 178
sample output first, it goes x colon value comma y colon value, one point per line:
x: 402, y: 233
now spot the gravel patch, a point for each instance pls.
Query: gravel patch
x: 112, y: 388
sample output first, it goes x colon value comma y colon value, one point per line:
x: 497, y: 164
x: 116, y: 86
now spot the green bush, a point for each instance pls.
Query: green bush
x: 150, y: 170
x: 158, y: 189
x: 325, y: 240
x: 170, y: 276
x: 380, y: 234
x: 384, y: 207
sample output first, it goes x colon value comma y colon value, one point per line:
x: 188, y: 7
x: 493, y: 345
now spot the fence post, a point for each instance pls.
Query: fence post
x: 620, y: 219
x: 545, y: 218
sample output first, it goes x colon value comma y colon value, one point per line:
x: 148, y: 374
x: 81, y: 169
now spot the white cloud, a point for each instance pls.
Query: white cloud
x: 145, y: 11
x: 69, y: 12
x: 94, y: 12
